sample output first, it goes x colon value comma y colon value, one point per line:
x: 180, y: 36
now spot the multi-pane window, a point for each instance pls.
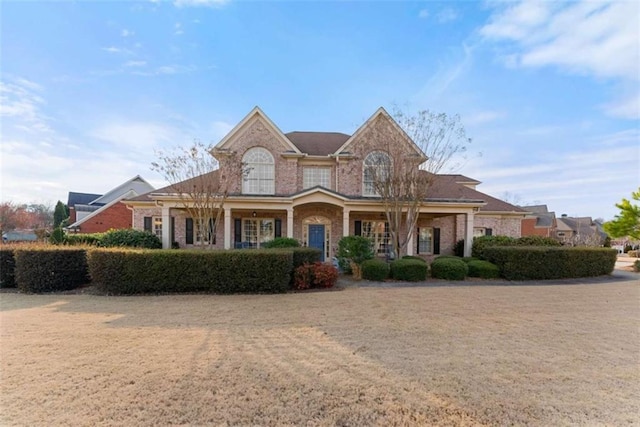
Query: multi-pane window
x: 157, y: 226
x: 378, y: 232
x: 425, y: 240
x: 258, y: 231
x: 316, y: 176
x: 376, y: 168
x: 260, y: 172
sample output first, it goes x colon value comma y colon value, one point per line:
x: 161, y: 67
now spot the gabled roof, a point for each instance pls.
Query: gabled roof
x: 136, y: 184
x: 253, y: 114
x: 381, y: 112
x: 81, y: 198
x: 130, y: 193
x: 317, y: 143
x: 171, y: 189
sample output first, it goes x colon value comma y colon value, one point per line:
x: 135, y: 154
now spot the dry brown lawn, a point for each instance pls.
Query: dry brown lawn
x: 467, y: 355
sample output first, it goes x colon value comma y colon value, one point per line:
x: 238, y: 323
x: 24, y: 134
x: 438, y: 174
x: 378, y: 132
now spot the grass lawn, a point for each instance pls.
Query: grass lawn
x: 467, y: 355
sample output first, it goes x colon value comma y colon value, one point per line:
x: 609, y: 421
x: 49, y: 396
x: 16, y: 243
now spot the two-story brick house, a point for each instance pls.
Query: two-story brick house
x: 312, y: 186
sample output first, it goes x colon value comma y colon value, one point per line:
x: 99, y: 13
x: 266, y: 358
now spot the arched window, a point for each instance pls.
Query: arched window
x: 376, y: 169
x: 260, y: 172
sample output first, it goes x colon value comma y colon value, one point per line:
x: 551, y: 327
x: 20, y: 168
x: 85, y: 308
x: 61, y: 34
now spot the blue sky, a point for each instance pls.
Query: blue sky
x: 548, y: 91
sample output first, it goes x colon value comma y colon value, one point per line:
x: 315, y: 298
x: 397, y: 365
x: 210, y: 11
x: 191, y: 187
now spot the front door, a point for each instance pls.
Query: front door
x: 316, y: 237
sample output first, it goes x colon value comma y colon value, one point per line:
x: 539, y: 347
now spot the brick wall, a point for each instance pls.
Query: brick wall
x: 116, y: 216
x: 529, y: 229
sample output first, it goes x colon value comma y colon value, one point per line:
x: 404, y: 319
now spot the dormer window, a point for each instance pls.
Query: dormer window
x: 376, y: 168
x: 260, y: 175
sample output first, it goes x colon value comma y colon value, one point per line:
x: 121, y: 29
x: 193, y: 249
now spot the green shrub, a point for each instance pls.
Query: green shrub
x: 548, y: 262
x: 282, y: 242
x: 131, y: 238
x: 415, y: 257
x: 305, y: 256
x: 57, y: 236
x: 375, y: 269
x: 468, y: 259
x: 129, y: 271
x: 316, y: 275
x: 482, y: 242
x: 46, y: 270
x: 91, y: 239
x: 7, y: 268
x: 449, y: 268
x: 636, y: 266
x: 483, y: 269
x: 633, y: 254
x: 355, y: 250
x: 410, y: 270
x: 537, y: 241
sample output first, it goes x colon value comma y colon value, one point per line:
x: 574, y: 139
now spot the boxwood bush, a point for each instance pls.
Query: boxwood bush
x: 92, y: 239
x: 415, y: 257
x: 130, y: 238
x: 281, y: 242
x: 449, y: 268
x: 482, y: 242
x: 7, y: 268
x: 483, y: 269
x: 305, y: 255
x: 411, y: 270
x: 375, y: 269
x: 128, y: 271
x: 548, y: 262
x: 46, y: 269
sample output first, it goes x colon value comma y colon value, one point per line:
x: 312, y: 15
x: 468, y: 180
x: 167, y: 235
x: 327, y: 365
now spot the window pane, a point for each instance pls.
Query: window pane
x: 425, y: 240
x: 260, y: 176
x: 316, y: 176
x: 378, y: 232
x: 157, y: 226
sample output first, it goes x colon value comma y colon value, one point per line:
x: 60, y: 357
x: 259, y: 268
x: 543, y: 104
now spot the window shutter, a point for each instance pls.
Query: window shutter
x: 212, y: 231
x: 173, y: 229
x: 436, y: 241
x: 488, y: 232
x: 147, y: 223
x: 278, y: 229
x: 418, y: 241
x: 189, y: 231
x: 358, y: 228
x: 237, y: 230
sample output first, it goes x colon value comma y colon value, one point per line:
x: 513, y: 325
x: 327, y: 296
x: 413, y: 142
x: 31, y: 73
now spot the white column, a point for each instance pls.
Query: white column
x: 345, y: 222
x: 290, y: 222
x: 166, y: 227
x: 410, y: 243
x: 227, y: 228
x: 468, y: 234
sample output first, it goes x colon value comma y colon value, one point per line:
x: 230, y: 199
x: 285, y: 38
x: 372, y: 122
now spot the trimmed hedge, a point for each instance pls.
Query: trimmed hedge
x: 375, y: 269
x: 130, y: 238
x: 482, y: 242
x: 92, y: 239
x: 303, y: 256
x: 449, y: 268
x: 7, y: 268
x: 546, y: 262
x: 47, y: 270
x: 414, y: 257
x: 122, y: 271
x: 411, y: 270
x: 483, y: 269
x: 281, y: 242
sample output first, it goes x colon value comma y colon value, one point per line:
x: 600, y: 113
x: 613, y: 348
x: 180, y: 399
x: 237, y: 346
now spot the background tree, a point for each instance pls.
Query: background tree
x: 403, y: 179
x: 198, y: 185
x: 627, y: 222
x: 60, y: 213
x: 34, y: 216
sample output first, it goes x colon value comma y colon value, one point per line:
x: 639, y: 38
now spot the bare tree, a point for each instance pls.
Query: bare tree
x: 198, y: 184
x: 402, y: 172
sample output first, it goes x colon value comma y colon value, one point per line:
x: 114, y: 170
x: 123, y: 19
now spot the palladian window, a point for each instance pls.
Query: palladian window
x: 376, y: 168
x: 260, y: 172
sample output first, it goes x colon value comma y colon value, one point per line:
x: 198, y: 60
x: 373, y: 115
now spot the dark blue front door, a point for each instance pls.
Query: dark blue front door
x: 316, y: 237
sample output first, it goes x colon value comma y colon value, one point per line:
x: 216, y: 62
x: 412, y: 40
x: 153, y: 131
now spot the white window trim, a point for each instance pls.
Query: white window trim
x: 367, y: 189
x: 381, y: 241
x: 316, y: 180
x: 156, y: 226
x: 253, y: 183
x: 429, y: 251
x: 257, y: 222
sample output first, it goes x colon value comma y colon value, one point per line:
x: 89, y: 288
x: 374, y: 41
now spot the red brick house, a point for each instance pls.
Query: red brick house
x: 312, y: 186
x: 96, y: 213
x: 539, y: 221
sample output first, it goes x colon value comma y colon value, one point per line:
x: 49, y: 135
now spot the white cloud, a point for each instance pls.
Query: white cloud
x: 483, y: 117
x: 135, y: 63
x: 424, y: 13
x: 126, y: 33
x: 220, y: 129
x: 177, y: 27
x: 447, y: 15
x: 200, y: 3
x: 599, y: 39
x: 627, y: 107
x: 117, y: 50
x: 22, y: 104
x: 135, y: 137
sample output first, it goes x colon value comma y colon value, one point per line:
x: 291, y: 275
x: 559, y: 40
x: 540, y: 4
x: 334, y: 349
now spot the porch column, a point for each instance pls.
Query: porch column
x: 290, y: 222
x: 227, y: 228
x: 468, y: 234
x: 166, y: 227
x: 410, y: 243
x: 345, y: 222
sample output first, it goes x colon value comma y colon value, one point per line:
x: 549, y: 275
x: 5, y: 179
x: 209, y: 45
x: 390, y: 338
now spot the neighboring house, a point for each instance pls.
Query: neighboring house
x: 96, y: 213
x: 19, y: 236
x: 539, y: 221
x: 579, y: 231
x: 311, y: 186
